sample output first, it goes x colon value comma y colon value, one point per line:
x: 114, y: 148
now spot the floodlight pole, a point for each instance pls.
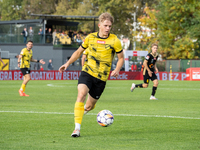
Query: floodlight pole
x: 134, y: 24
x: 94, y: 25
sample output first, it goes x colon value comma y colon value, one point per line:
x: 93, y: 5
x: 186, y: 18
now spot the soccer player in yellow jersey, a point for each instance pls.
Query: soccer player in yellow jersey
x: 24, y: 59
x: 101, y: 47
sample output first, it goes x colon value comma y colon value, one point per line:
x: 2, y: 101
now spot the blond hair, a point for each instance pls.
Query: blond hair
x: 106, y: 16
x: 154, y: 44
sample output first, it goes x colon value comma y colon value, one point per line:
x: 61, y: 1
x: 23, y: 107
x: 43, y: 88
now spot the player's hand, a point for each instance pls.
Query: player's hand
x: 62, y: 68
x: 115, y: 73
x: 18, y: 65
x: 42, y: 62
x: 150, y: 73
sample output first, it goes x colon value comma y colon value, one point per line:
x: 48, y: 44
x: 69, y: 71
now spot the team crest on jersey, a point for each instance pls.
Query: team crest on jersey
x: 154, y: 58
x: 101, y: 42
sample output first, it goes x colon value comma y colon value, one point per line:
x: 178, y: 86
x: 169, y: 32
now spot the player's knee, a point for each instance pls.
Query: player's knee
x: 90, y: 107
x: 145, y: 85
x: 81, y: 97
x: 156, y: 83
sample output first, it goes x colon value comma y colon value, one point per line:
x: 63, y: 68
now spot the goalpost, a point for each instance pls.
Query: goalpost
x: 128, y: 53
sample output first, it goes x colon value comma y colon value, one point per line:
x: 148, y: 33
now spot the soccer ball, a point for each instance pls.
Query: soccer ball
x: 105, y: 118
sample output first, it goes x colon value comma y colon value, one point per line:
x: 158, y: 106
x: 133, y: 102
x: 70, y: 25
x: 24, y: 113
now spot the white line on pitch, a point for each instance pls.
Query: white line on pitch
x: 61, y: 113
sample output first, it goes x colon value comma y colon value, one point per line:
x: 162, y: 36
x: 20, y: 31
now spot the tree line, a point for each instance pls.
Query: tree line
x: 173, y: 24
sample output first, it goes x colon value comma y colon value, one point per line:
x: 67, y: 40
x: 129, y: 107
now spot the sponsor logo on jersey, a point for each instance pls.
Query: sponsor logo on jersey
x: 101, y: 42
x: 147, y: 57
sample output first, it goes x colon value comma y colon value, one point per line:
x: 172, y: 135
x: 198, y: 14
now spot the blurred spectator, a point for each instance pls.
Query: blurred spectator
x: 63, y: 33
x: 38, y: 66
x: 49, y: 36
x: 25, y: 34
x: 46, y: 30
x: 59, y: 31
x: 80, y: 32
x: 78, y: 39
x: 41, y: 68
x: 35, y: 66
x: 54, y: 36
x: 40, y: 33
x: 85, y: 34
x: 140, y: 66
x: 70, y: 34
x: 74, y: 36
x: 50, y: 65
x: 133, y: 67
x: 31, y: 33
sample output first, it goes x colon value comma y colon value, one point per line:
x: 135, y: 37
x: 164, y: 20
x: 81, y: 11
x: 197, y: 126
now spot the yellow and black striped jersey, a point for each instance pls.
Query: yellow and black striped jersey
x: 26, y: 57
x: 100, y: 53
x: 85, y: 52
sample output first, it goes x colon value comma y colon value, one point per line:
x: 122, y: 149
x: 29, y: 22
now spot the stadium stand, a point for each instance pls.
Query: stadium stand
x: 12, y: 57
x: 63, y: 39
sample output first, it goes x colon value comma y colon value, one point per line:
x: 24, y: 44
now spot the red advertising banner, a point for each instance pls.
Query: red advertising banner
x: 193, y: 74
x: 74, y: 75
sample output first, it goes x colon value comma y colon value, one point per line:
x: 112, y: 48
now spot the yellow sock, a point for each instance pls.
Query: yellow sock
x: 23, y: 87
x: 78, y: 112
x: 94, y: 106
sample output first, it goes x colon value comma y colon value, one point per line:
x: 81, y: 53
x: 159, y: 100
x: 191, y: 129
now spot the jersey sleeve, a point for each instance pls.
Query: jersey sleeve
x: 118, y: 46
x: 147, y: 57
x: 22, y: 52
x: 85, y: 43
x: 85, y: 52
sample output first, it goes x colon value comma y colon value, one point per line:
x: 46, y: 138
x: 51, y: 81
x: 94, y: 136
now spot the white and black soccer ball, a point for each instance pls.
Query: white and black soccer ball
x: 105, y: 118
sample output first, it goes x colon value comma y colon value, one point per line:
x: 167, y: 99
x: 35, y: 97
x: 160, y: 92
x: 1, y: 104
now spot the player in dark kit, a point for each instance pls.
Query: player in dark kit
x: 149, y: 72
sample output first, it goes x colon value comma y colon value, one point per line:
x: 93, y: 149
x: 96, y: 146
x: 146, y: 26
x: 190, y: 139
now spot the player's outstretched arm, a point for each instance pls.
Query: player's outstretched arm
x: 72, y: 59
x: 34, y: 60
x: 120, y: 63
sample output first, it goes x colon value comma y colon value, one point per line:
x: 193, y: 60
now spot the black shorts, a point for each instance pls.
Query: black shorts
x: 146, y: 77
x: 25, y: 71
x: 96, y: 86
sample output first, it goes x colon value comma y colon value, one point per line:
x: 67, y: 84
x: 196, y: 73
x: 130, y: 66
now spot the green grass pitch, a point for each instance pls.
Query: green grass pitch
x: 45, y: 121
